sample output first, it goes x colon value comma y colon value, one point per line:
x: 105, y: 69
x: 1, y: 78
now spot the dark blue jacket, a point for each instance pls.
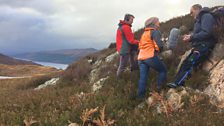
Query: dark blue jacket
x: 156, y: 36
x: 203, y: 28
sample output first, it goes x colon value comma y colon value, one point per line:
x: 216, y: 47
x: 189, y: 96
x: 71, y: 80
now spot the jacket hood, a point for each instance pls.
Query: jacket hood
x: 122, y: 22
x: 203, y: 11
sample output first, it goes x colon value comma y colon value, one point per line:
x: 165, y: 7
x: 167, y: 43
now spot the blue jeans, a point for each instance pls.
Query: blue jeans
x: 145, y: 66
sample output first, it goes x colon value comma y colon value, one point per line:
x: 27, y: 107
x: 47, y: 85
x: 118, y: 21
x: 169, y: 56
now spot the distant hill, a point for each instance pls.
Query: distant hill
x: 65, y: 56
x: 12, y: 61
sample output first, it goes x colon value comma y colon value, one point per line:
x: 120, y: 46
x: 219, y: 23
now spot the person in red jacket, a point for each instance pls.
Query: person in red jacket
x: 124, y: 41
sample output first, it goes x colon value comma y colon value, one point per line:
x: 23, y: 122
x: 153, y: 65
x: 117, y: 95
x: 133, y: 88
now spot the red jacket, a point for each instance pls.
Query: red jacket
x: 123, y: 42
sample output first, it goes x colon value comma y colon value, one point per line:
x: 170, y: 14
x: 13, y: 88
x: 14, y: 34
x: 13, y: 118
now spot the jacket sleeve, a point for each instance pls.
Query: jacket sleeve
x: 156, y: 36
x: 207, y: 22
x: 129, y: 35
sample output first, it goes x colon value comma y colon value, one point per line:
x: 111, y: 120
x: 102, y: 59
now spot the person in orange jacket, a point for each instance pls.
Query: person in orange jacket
x: 149, y: 47
x: 124, y: 41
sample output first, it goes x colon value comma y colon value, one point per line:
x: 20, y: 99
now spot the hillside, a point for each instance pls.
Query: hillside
x: 20, y: 68
x: 89, y: 94
x: 25, y: 70
x: 12, y: 61
x: 94, y: 78
x: 65, y: 56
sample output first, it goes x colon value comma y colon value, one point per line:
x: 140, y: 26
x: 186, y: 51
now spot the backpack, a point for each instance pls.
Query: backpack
x: 218, y: 14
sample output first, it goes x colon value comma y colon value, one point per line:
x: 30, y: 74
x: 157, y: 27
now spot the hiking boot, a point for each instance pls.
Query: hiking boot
x: 159, y: 90
x: 141, y: 101
x: 141, y: 105
x: 172, y: 85
x: 133, y: 97
x: 134, y: 68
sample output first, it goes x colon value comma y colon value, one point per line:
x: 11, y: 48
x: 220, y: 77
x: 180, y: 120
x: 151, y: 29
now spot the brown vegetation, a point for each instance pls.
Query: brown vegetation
x: 25, y: 70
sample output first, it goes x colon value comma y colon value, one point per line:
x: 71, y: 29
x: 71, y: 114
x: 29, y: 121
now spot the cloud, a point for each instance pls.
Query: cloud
x: 32, y: 25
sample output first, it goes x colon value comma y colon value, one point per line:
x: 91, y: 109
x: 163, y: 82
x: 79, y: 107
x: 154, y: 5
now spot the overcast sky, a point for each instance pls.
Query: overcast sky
x: 36, y: 25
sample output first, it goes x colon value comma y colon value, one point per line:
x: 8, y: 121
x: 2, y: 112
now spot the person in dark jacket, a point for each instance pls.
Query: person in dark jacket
x: 202, y: 41
x: 124, y: 41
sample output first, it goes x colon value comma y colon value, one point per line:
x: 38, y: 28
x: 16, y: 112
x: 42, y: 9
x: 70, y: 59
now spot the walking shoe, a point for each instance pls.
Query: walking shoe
x: 172, y: 85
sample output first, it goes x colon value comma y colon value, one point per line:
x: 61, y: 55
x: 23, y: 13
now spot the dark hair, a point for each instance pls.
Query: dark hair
x: 128, y: 16
x: 197, y: 6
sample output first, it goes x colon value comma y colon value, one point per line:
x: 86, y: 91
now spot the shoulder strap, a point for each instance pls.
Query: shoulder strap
x: 200, y: 16
x: 151, y: 34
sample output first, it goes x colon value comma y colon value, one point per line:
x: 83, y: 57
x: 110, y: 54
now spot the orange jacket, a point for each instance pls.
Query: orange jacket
x: 147, y: 46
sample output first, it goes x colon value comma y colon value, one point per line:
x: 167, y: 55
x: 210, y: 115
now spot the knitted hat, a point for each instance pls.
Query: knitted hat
x: 151, y: 21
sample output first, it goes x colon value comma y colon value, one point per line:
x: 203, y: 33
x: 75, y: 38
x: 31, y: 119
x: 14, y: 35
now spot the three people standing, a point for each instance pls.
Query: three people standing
x: 149, y: 46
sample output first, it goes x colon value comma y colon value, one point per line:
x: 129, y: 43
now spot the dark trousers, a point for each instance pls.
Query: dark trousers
x: 197, y: 56
x: 124, y: 60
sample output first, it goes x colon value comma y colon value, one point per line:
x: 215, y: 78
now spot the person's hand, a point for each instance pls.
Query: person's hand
x: 186, y: 38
